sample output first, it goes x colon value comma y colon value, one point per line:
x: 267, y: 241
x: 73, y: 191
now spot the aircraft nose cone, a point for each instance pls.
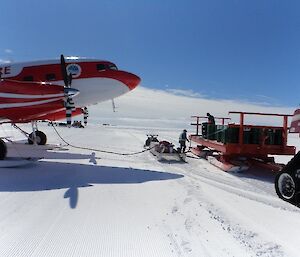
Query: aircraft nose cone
x: 133, y: 81
x: 129, y: 79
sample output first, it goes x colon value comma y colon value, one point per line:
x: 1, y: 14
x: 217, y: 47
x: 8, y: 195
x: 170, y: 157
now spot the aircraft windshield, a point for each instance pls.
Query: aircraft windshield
x: 112, y: 67
x: 103, y: 67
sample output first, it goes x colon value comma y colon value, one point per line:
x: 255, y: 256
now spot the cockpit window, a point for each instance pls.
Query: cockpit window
x: 101, y: 67
x: 112, y: 67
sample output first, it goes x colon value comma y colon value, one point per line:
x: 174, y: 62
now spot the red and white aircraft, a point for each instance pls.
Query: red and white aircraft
x: 43, y: 90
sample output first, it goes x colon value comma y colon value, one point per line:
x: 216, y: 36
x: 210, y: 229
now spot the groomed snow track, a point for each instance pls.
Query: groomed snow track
x: 81, y: 203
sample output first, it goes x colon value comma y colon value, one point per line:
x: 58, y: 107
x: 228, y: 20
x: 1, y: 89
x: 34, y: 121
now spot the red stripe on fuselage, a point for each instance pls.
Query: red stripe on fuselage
x: 4, y: 100
x: 19, y: 92
x: 29, y: 113
x: 29, y: 88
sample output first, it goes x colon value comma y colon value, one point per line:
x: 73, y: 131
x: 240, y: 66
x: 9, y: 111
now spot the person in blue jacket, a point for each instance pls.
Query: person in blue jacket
x: 182, y: 139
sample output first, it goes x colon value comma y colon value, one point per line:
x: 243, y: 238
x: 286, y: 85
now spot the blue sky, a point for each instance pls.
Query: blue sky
x: 227, y: 49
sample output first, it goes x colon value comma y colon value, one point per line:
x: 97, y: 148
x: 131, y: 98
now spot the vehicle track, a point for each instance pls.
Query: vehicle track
x: 197, y: 175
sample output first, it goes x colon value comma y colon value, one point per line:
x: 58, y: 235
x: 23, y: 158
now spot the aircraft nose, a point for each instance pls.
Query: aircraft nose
x: 129, y: 79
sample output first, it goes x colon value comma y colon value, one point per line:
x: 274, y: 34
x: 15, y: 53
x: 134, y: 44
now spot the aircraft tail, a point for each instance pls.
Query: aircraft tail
x: 295, y: 125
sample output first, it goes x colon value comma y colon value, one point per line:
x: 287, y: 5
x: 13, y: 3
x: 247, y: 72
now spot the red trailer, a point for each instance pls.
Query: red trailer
x: 237, y: 146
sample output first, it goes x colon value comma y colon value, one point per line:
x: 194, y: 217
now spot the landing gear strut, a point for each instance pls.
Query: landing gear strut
x: 36, y: 137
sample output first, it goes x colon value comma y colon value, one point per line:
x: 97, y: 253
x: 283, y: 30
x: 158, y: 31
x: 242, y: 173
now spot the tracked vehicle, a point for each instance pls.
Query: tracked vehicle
x: 287, y: 181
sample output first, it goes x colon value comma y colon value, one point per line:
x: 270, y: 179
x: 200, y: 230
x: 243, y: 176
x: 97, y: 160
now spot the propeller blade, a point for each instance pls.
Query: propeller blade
x: 64, y: 70
x: 69, y: 92
x: 70, y: 79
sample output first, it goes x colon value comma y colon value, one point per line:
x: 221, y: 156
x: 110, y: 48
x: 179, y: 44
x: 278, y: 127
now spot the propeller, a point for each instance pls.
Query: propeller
x: 69, y: 92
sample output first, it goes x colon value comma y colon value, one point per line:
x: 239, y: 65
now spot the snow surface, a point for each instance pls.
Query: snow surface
x: 77, y: 202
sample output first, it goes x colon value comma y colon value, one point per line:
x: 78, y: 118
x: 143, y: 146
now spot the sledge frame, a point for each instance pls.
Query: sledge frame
x: 169, y: 157
x: 239, y: 156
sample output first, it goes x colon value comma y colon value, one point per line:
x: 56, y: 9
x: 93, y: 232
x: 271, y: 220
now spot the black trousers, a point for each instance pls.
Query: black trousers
x: 182, y: 146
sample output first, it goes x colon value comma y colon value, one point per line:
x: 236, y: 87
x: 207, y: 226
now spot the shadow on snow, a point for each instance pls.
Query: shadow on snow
x: 54, y: 175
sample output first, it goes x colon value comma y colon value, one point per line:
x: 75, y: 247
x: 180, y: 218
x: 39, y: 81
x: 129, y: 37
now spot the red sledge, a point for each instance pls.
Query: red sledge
x: 235, y: 147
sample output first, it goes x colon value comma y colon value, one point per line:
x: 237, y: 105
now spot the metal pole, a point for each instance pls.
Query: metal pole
x: 284, y: 132
x: 241, y: 132
x: 33, y: 133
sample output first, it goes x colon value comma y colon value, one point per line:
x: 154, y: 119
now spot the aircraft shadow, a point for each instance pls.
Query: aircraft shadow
x: 53, y: 175
x: 25, y: 150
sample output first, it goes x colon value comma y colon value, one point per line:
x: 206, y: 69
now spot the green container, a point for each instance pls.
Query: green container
x: 274, y: 137
x: 211, y: 132
x: 256, y: 135
x: 251, y: 135
x: 247, y: 138
x: 204, y: 129
x: 220, y: 132
x: 278, y: 137
x: 223, y: 136
x: 232, y: 135
x: 270, y: 140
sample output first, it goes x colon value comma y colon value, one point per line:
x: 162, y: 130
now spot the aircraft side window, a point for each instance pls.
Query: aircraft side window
x: 101, y: 67
x: 50, y: 77
x: 28, y: 78
x: 113, y: 67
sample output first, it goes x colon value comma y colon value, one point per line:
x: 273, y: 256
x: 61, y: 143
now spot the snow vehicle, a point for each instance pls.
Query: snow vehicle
x: 287, y: 181
x: 163, y: 150
x: 151, y: 139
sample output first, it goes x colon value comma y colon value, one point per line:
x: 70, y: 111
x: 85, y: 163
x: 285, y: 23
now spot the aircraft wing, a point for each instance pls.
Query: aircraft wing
x: 26, y: 101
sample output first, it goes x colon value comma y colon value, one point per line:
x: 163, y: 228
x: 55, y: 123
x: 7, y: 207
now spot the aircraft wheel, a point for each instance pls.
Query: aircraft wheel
x: 41, y: 138
x: 3, y: 149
